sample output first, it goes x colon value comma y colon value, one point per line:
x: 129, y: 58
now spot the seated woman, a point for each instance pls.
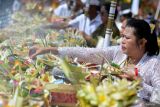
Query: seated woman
x: 139, y: 47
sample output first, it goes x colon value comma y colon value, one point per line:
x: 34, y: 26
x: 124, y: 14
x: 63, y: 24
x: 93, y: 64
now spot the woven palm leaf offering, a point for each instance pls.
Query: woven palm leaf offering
x: 112, y: 68
x: 69, y: 37
x: 49, y: 37
x: 105, y: 69
x: 119, y: 93
x: 107, y: 93
x: 24, y: 82
x: 64, y: 94
x: 27, y: 78
x: 112, y: 91
x: 130, y: 72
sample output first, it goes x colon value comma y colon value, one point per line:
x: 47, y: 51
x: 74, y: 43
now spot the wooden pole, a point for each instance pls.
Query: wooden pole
x: 108, y: 35
x: 157, y: 11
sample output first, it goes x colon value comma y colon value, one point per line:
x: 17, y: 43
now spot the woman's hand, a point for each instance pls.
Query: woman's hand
x: 130, y: 72
x: 129, y: 76
x: 34, y: 51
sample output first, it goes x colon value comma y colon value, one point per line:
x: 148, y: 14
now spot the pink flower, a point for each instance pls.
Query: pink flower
x: 15, y: 82
x: 38, y: 90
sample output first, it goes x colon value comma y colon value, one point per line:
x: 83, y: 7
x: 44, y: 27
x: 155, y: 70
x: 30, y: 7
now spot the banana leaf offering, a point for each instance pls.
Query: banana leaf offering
x: 112, y: 69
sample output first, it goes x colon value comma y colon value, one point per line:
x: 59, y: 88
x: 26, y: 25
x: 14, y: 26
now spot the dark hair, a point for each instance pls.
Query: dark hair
x: 98, y: 8
x: 143, y: 30
x: 127, y: 15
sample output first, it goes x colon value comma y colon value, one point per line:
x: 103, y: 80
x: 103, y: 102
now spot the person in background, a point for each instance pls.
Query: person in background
x: 139, y: 48
x: 101, y: 30
x: 149, y: 17
x: 77, y: 9
x: 157, y: 27
x: 153, y: 23
x: 125, y: 14
x: 65, y: 9
x: 87, y: 23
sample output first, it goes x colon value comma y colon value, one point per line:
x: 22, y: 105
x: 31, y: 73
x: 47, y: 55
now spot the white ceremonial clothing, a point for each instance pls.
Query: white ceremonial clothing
x: 62, y: 11
x: 83, y: 23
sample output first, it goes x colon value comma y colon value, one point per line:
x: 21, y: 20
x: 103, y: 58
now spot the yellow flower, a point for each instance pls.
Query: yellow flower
x: 17, y: 63
x: 101, y: 97
x: 46, y: 77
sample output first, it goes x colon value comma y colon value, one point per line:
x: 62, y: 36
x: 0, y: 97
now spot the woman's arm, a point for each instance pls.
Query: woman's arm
x: 90, y: 55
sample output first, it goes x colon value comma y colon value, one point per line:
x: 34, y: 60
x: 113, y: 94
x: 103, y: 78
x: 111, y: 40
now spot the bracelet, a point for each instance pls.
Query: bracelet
x: 136, y: 71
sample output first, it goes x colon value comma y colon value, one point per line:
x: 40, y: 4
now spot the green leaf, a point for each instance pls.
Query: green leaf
x: 115, y: 65
x: 24, y: 92
x: 19, y: 102
x: 73, y: 73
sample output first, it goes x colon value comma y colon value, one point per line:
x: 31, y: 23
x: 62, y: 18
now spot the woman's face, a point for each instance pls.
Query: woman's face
x: 129, y: 45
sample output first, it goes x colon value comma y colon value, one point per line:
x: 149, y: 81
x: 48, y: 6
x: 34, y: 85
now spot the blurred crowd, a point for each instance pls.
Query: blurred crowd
x: 90, y: 17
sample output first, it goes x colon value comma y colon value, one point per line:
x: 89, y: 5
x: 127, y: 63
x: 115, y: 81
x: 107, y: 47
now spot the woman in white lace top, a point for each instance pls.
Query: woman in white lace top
x: 138, y: 46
